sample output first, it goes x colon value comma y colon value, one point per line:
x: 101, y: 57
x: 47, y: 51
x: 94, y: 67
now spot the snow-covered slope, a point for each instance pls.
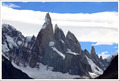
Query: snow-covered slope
x: 44, y: 72
x: 95, y: 68
x: 109, y: 58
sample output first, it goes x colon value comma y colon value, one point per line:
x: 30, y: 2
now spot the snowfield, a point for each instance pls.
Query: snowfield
x: 93, y: 75
x: 94, y: 67
x: 51, y: 43
x: 44, y: 72
x: 11, y: 41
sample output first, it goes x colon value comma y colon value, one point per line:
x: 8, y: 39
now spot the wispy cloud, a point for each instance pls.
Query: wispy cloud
x: 105, y: 52
x: 99, y: 27
x: 103, y: 43
x: 10, y: 5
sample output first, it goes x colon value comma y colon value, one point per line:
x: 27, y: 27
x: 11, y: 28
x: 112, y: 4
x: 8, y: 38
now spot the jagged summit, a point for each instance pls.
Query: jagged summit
x: 101, y: 58
x: 69, y: 33
x: 59, y: 34
x: 47, y: 18
x: 56, y: 26
x: 8, y: 26
x: 93, y: 50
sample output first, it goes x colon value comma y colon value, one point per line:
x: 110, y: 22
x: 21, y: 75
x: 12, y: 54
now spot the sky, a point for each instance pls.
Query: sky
x: 67, y: 7
x: 93, y: 23
x: 101, y: 50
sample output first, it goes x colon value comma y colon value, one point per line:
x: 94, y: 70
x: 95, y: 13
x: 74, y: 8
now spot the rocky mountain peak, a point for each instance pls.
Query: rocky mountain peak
x: 101, y: 58
x: 93, y: 50
x: 73, y: 43
x: 87, y: 53
x: 46, y: 33
x: 85, y: 50
x: 33, y: 37
x: 59, y: 35
x: 71, y: 37
x: 69, y: 34
x: 47, y: 18
x: 42, y: 41
x: 56, y: 26
x: 7, y: 26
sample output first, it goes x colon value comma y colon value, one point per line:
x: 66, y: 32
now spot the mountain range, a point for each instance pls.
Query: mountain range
x: 51, y: 54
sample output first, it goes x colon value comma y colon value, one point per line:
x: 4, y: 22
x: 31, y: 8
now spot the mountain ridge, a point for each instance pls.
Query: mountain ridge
x: 52, y: 49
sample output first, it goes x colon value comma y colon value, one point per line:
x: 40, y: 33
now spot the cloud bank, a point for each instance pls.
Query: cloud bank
x: 101, y: 27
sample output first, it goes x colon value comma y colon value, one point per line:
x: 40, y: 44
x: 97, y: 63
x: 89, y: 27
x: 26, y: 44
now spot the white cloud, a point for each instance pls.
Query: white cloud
x: 104, y: 54
x: 99, y: 27
x: 10, y: 5
x: 103, y: 43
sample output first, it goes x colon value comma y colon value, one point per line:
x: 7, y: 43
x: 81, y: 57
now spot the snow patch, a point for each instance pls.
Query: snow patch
x: 101, y: 63
x: 69, y: 51
x: 5, y: 48
x: 26, y: 44
x: 19, y: 42
x: 62, y: 41
x: 43, y: 72
x: 61, y: 54
x: 93, y: 75
x: 44, y: 26
x: 94, y: 67
x: 51, y: 43
x: 29, y: 38
x: 11, y: 41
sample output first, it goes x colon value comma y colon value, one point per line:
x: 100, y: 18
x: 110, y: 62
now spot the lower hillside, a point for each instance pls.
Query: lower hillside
x: 112, y: 71
x: 10, y: 72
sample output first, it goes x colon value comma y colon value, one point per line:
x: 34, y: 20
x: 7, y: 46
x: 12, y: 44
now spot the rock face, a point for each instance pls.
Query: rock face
x: 14, y: 45
x: 72, y: 43
x: 42, y: 41
x: 53, y: 49
x: 112, y: 71
x: 10, y: 72
x: 102, y: 63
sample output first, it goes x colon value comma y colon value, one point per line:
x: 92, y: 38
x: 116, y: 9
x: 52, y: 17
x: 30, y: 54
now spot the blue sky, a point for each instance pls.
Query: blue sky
x: 96, y: 24
x: 99, y: 48
x: 68, y: 7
